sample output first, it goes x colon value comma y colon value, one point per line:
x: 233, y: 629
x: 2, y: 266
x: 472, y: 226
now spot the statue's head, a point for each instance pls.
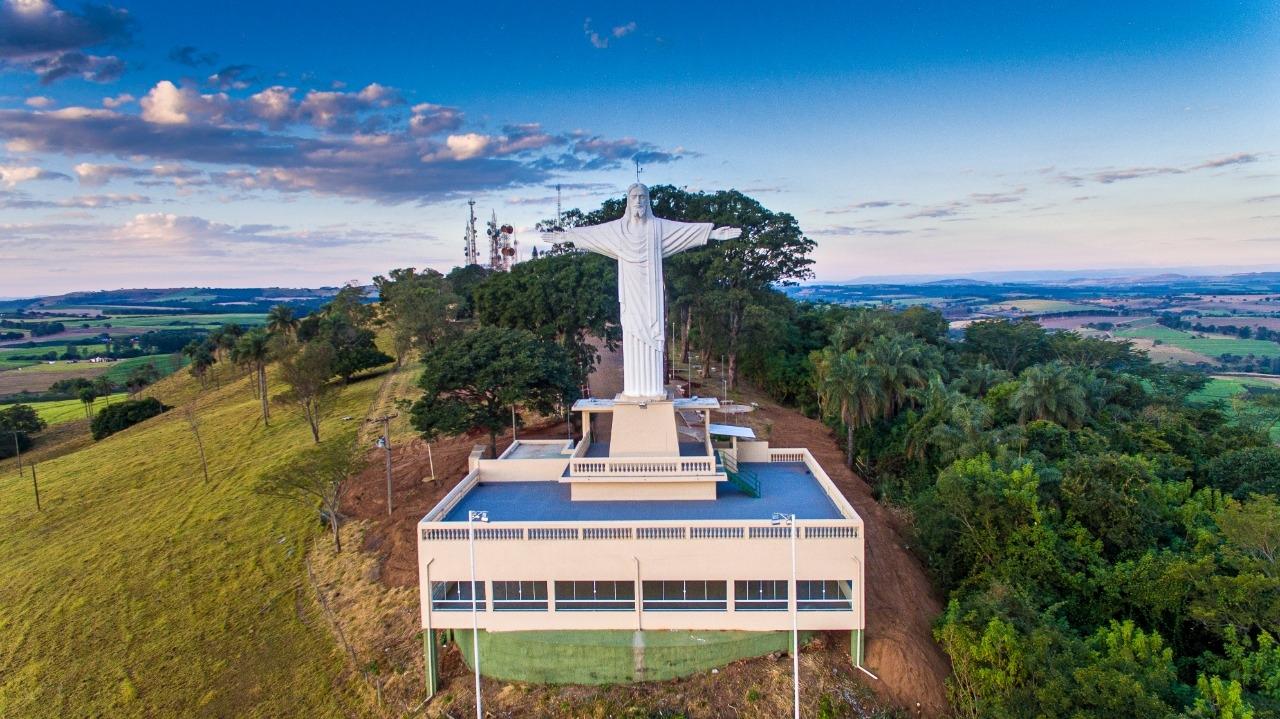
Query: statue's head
x: 638, y: 201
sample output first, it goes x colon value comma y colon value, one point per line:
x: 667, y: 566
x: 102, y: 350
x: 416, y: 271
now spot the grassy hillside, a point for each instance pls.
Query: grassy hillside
x: 140, y: 590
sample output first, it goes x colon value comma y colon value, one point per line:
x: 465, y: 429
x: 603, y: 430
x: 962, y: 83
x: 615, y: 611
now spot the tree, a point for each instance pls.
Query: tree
x: 562, y: 298
x: 417, y: 307
x: 86, y: 397
x: 306, y: 370
x: 124, y: 415
x: 281, y: 321
x: 474, y: 381
x: 140, y: 377
x: 103, y: 387
x: 202, y: 358
x: 1011, y: 345
x: 254, y: 349
x: 21, y: 418
x: 847, y: 389
x: 1052, y: 392
x: 318, y: 475
x: 463, y: 281
x: 1241, y: 472
x: 193, y: 422
x: 17, y: 423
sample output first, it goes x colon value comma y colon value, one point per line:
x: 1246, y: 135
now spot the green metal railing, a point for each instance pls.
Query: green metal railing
x: 740, y: 477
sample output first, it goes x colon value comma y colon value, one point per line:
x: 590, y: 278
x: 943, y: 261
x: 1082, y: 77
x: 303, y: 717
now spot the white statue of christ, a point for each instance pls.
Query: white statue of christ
x: 639, y: 241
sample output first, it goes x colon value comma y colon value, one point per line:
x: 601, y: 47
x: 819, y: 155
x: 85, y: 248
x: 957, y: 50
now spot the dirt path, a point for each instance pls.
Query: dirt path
x: 901, y: 605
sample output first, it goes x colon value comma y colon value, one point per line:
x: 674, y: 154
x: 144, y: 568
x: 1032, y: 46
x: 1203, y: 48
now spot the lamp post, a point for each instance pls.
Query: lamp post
x: 474, y: 516
x: 790, y: 521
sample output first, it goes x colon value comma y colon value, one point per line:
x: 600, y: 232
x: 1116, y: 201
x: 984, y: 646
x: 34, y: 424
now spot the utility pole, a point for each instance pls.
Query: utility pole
x: 385, y: 443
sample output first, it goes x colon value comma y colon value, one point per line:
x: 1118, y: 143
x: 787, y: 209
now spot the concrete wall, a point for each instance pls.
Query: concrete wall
x: 612, y: 657
x: 522, y: 470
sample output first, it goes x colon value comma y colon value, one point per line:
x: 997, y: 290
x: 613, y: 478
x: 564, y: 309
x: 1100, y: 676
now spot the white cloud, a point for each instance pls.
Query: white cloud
x: 123, y: 98
x: 467, y: 146
x: 168, y: 104
x: 39, y: 102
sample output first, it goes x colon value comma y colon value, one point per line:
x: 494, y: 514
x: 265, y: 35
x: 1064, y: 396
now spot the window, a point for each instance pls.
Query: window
x: 685, y: 595
x: 595, y: 596
x: 456, y: 596
x: 824, y: 595
x: 756, y: 595
x: 519, y: 596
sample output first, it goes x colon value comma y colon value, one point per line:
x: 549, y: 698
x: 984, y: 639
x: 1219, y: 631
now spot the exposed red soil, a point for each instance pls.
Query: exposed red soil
x: 901, y: 604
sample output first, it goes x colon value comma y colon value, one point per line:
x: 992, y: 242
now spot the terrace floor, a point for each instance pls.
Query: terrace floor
x: 785, y: 487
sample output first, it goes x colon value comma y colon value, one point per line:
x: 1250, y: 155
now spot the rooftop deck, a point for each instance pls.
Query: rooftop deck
x: 786, y: 487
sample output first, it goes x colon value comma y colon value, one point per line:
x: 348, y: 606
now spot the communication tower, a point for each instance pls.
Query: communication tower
x: 473, y: 254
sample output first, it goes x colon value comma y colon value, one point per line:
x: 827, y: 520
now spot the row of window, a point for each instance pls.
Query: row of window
x: 656, y: 595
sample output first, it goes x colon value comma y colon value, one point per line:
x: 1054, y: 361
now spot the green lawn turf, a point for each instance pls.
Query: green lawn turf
x: 1210, y: 346
x: 142, y: 591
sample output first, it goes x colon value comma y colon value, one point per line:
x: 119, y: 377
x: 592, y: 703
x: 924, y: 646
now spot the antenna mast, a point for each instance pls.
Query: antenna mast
x: 473, y: 256
x: 559, y: 215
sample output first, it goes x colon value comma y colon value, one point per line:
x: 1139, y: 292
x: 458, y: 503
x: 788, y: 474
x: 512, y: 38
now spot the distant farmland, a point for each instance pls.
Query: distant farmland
x: 1039, y: 306
x: 1208, y: 345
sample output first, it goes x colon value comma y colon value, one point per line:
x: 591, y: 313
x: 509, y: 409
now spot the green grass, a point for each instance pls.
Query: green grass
x: 142, y: 591
x: 1210, y: 346
x: 66, y: 410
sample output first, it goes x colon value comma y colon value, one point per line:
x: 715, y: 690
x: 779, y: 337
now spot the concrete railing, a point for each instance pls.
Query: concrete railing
x: 817, y: 529
x: 642, y: 466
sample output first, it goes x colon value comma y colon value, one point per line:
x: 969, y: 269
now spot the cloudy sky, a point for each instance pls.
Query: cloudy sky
x: 262, y: 143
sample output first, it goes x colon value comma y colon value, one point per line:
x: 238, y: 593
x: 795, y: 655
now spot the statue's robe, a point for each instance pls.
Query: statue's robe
x: 639, y: 246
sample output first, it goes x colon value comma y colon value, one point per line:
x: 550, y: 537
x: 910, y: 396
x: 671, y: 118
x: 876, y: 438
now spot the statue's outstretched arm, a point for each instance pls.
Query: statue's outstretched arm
x: 583, y: 238
x: 726, y: 233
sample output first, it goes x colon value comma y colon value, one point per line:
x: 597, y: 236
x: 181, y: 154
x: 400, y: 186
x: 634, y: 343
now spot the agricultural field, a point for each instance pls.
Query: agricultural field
x: 37, y: 378
x: 1207, y: 345
x: 1033, y: 306
x: 142, y: 590
x: 1078, y: 321
x: 57, y: 411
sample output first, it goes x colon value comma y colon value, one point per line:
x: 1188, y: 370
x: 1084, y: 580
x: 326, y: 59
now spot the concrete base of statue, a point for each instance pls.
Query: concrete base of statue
x: 643, y: 427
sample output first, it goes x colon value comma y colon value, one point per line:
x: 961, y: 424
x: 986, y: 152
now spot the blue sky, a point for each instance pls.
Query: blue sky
x: 156, y: 144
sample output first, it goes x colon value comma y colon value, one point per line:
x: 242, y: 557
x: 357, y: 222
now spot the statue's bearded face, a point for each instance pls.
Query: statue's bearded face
x: 638, y: 202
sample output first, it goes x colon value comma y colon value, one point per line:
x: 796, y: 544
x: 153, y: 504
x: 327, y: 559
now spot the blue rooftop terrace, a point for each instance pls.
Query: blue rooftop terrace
x: 785, y: 487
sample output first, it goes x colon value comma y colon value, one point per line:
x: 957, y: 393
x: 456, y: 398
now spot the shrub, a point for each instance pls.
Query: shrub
x: 122, y: 415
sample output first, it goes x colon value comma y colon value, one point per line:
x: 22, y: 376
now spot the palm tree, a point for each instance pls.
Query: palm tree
x: 848, y: 387
x: 202, y: 359
x: 87, y: 396
x: 281, y: 321
x: 103, y: 387
x: 1050, y: 391
x: 903, y: 365
x: 254, y: 348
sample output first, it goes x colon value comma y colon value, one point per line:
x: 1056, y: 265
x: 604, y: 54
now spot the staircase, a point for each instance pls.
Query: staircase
x: 740, y: 477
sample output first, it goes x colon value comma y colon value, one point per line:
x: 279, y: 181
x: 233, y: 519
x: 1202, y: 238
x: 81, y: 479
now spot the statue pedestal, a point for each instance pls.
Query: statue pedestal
x: 644, y: 428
